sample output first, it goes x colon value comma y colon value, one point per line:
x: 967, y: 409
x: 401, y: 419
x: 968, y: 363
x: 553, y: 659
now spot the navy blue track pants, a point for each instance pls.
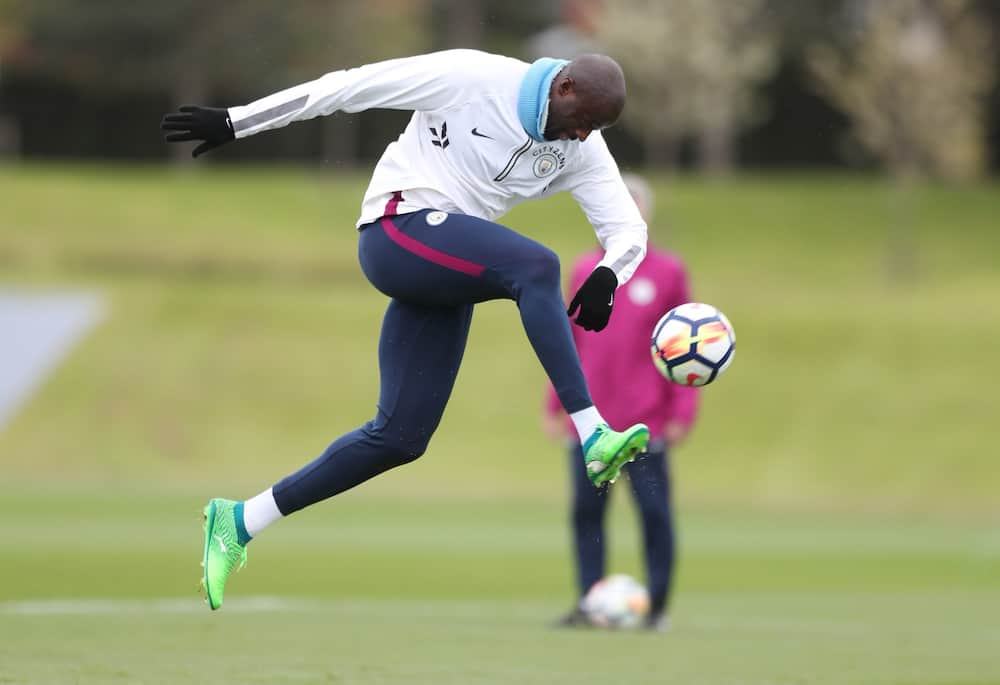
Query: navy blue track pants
x: 436, y: 267
x: 649, y: 477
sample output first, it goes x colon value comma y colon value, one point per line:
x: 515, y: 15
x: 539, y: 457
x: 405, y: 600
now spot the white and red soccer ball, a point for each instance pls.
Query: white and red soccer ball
x: 617, y: 601
x: 693, y: 344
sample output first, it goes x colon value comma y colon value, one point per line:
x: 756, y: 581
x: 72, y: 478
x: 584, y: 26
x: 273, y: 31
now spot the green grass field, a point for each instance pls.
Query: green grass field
x: 837, y: 503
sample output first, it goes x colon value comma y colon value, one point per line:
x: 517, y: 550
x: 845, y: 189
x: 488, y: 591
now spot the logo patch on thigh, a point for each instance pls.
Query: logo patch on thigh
x: 436, y: 218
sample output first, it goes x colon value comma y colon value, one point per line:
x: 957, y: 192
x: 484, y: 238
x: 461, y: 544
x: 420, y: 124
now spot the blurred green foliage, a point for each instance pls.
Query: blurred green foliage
x: 195, y: 48
x: 77, y: 78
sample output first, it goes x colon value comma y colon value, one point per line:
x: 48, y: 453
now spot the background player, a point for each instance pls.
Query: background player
x: 622, y: 351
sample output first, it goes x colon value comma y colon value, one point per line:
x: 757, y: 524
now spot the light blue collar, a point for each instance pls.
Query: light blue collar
x: 533, y: 98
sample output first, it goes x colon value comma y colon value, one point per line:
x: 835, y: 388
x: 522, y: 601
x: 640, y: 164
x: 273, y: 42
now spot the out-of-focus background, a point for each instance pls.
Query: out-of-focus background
x: 174, y: 330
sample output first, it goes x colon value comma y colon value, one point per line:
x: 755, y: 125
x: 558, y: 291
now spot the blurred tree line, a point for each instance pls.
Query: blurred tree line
x: 910, y: 85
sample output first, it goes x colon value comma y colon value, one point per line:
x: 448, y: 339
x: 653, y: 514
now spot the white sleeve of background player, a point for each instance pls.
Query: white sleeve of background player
x: 598, y: 188
x: 427, y: 82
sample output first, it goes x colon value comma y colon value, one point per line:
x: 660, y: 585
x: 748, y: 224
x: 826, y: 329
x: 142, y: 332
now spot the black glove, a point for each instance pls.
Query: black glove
x: 208, y: 124
x: 594, y: 299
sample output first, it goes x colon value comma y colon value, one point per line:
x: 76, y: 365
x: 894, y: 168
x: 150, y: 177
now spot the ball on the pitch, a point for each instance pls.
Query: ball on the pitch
x: 693, y: 344
x: 617, y: 601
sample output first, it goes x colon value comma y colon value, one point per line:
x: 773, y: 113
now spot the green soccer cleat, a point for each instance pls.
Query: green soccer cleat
x: 222, y: 549
x: 606, y: 451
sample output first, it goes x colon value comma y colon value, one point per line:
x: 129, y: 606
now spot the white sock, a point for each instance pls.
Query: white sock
x: 259, y: 512
x: 586, y: 420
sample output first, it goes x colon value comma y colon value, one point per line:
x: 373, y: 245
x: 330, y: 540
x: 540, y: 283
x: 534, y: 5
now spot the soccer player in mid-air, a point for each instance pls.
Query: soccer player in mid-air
x: 487, y: 132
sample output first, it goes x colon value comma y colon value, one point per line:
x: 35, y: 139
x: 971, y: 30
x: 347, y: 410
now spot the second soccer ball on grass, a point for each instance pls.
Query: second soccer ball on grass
x: 618, y: 601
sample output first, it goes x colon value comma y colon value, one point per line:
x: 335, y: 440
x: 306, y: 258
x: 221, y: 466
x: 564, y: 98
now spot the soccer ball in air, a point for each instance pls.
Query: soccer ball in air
x: 693, y: 343
x: 617, y: 601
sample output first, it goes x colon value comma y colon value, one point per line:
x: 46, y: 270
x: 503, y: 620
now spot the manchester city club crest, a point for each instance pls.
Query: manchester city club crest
x: 544, y: 165
x: 547, y: 159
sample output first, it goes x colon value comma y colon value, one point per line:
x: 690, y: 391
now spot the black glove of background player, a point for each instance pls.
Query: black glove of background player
x: 208, y: 124
x: 594, y: 299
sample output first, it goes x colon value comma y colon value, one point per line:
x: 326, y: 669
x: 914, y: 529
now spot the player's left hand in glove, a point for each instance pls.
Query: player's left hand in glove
x: 594, y: 299
x: 211, y: 125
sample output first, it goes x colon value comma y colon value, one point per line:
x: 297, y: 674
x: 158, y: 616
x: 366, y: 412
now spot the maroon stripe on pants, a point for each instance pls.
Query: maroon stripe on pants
x: 421, y: 250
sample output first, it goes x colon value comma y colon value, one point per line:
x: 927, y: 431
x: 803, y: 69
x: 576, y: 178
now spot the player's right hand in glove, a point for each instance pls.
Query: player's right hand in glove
x: 211, y: 125
x: 594, y: 299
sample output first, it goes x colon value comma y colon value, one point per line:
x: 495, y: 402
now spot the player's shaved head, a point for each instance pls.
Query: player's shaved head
x: 600, y: 82
x: 587, y: 95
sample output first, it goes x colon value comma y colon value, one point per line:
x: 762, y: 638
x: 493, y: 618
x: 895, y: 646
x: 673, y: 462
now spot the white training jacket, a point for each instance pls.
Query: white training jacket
x: 464, y: 150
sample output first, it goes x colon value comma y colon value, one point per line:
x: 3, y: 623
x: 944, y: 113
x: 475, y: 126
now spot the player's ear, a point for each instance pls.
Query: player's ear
x: 566, y: 86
